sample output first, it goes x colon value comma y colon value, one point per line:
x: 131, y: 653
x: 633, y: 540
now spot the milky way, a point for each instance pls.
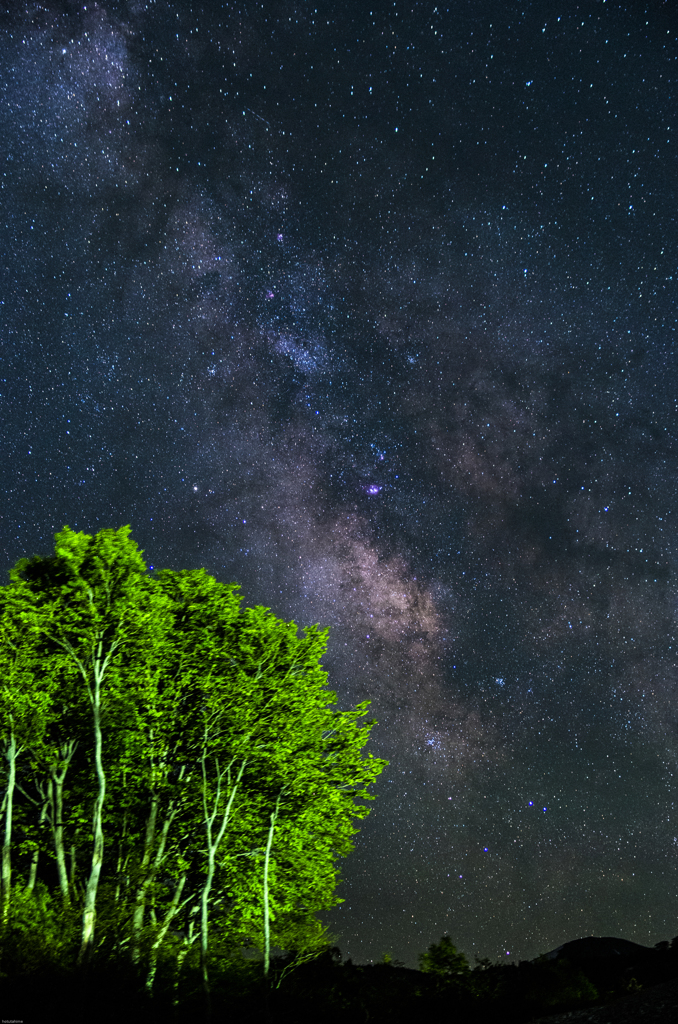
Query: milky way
x: 374, y: 313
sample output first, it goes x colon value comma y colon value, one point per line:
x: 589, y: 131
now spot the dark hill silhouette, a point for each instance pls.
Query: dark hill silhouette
x: 619, y: 968
x: 591, y: 980
x: 592, y: 948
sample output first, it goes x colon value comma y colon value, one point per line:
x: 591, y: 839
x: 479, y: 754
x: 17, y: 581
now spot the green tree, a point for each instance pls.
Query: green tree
x: 444, y: 961
x: 190, y: 742
x: 279, y: 768
x: 90, y: 606
x: 26, y: 696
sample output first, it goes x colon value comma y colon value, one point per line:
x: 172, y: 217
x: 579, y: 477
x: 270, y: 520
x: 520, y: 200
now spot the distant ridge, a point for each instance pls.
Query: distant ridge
x: 585, y: 950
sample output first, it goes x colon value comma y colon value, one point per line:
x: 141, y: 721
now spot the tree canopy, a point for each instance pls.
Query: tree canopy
x: 174, y: 766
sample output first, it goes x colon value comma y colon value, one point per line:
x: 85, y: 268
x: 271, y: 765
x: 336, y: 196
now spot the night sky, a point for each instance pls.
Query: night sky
x: 373, y: 311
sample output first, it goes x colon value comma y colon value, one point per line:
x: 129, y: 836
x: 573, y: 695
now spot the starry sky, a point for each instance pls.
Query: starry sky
x: 370, y: 307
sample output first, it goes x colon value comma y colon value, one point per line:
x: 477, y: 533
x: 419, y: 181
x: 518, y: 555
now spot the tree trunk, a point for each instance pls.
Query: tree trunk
x: 121, y: 864
x: 191, y: 936
x: 33, y: 870
x: 11, y: 753
x: 212, y: 848
x: 35, y: 856
x: 89, y: 911
x: 146, y: 875
x: 172, y: 911
x: 58, y: 776
x: 267, y: 920
x: 72, y: 878
x: 140, y: 902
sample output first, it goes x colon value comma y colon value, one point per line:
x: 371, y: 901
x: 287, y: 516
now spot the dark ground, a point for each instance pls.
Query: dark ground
x: 657, y: 1005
